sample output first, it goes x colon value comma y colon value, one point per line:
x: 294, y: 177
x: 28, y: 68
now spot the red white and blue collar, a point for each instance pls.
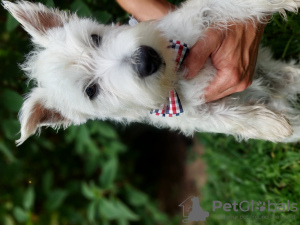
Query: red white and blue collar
x: 173, y: 107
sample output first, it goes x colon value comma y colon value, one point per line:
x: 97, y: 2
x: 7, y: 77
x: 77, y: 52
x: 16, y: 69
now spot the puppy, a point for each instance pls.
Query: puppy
x: 84, y: 70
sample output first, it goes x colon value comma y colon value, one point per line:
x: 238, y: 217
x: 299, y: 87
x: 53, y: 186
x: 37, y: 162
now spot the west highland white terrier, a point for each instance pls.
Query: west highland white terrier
x: 85, y: 70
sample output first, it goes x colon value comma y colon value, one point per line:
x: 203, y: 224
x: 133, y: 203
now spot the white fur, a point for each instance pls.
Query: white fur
x: 65, y: 61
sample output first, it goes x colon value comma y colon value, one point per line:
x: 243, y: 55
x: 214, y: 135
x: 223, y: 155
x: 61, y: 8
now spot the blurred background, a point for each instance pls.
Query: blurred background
x: 103, y: 173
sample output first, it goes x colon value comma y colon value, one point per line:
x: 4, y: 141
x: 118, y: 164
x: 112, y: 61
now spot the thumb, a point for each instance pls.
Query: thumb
x: 200, y: 52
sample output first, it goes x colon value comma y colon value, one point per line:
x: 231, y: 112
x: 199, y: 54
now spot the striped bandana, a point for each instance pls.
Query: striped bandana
x: 173, y: 107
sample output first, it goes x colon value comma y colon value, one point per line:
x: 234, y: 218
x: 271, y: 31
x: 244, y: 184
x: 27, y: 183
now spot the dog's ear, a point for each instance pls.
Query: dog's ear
x: 34, y: 115
x: 36, y: 18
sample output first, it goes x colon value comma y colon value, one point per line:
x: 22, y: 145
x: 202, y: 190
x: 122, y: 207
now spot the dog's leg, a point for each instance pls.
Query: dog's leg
x: 189, y: 22
x: 245, y: 122
x: 276, y: 85
x: 282, y: 94
x: 244, y: 115
x: 242, y: 121
x: 281, y: 78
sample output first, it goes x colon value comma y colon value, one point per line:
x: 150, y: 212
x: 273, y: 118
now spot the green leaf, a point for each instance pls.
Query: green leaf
x: 102, y: 16
x: 82, y: 138
x: 92, y: 165
x: 81, y: 8
x: 108, y: 209
x: 92, y: 148
x: 105, y: 130
x: 115, y: 147
x: 123, y: 221
x: 20, y: 215
x: 11, y: 23
x: 135, y: 197
x: 109, y: 172
x: 11, y: 100
x: 87, y: 191
x: 28, y: 198
x: 8, y: 220
x: 6, y: 152
x: 71, y: 134
x: 50, y: 3
x: 91, y: 211
x: 125, y: 212
x: 47, y: 181
x: 11, y: 128
x: 55, y: 199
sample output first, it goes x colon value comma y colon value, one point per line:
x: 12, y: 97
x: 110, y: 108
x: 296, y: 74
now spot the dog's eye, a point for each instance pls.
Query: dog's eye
x: 92, y: 91
x: 96, y: 39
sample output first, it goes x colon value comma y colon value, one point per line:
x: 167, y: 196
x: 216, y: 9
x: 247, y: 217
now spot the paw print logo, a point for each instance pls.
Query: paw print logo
x: 260, y: 207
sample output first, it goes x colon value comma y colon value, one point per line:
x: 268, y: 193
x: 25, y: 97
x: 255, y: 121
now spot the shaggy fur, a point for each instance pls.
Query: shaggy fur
x: 65, y: 62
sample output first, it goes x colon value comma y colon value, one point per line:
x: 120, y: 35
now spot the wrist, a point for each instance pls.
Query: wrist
x: 147, y: 9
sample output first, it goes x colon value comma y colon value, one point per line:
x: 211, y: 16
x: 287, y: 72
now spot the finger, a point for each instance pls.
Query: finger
x: 227, y: 89
x: 196, y: 59
x: 223, y: 81
x: 230, y: 80
x: 200, y: 52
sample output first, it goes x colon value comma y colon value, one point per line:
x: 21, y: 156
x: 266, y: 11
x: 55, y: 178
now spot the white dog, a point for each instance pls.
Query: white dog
x: 84, y: 70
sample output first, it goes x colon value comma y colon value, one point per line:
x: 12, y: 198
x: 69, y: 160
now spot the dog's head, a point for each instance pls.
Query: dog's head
x: 84, y: 70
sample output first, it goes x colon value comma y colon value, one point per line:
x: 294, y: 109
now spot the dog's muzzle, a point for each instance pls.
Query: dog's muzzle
x: 146, y: 61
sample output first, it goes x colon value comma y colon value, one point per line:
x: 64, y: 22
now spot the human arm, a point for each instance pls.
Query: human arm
x: 146, y: 9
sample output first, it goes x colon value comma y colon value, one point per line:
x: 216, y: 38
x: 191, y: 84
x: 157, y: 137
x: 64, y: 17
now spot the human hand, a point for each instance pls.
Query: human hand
x: 233, y: 53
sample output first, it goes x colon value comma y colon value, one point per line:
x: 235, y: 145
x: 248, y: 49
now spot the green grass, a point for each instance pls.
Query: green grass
x: 283, y: 37
x: 253, y: 170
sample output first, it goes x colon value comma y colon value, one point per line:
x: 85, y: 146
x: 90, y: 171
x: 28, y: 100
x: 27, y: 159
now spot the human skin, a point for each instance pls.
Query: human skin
x: 233, y: 51
x: 145, y: 10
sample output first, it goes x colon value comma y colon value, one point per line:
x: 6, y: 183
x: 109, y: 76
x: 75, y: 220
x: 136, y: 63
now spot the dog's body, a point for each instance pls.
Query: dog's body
x: 81, y: 76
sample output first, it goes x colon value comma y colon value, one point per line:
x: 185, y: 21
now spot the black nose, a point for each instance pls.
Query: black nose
x: 146, y: 61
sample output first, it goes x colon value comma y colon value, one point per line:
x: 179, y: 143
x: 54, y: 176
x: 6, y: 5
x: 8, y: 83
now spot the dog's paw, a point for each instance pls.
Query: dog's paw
x: 277, y: 128
x: 267, y: 125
